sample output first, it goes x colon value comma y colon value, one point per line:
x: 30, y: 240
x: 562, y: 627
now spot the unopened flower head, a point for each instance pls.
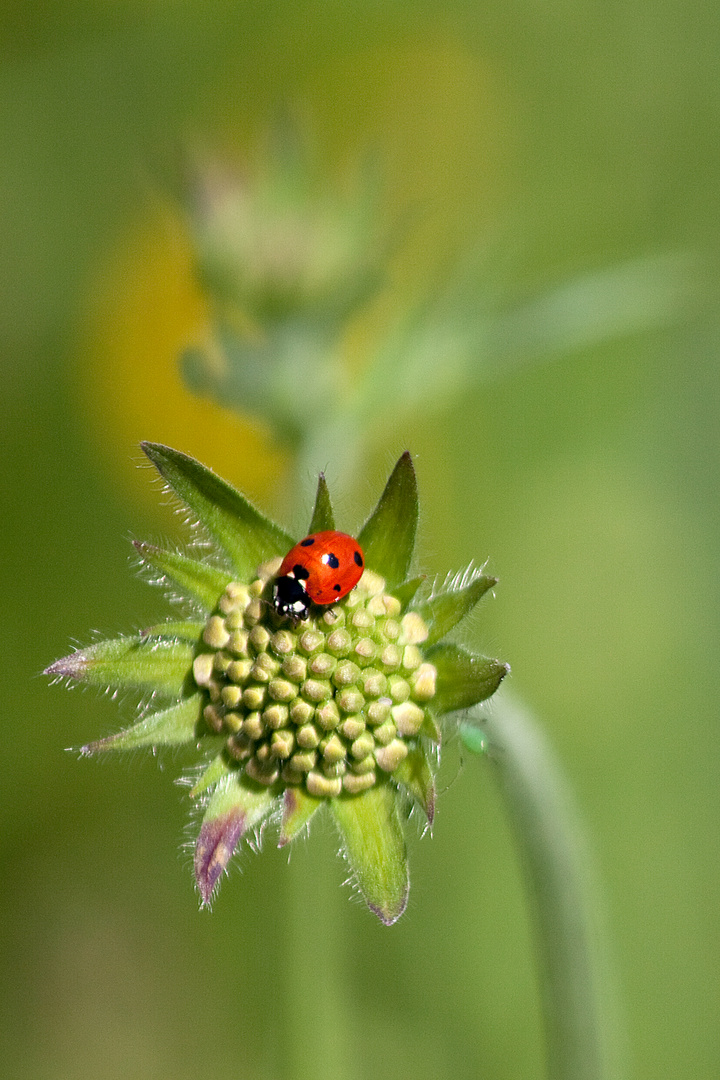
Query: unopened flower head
x: 326, y: 705
x: 338, y: 710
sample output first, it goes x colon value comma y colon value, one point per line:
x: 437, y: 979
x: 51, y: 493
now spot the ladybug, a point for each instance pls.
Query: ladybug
x: 321, y: 569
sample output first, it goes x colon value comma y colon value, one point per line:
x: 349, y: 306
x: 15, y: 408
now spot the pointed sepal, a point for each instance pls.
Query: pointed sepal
x: 416, y: 776
x: 176, y: 726
x: 374, y: 845
x: 405, y: 593
x: 388, y: 536
x: 463, y: 678
x: 150, y: 665
x: 298, y: 808
x: 245, y: 535
x: 180, y: 629
x: 444, y: 609
x: 237, y: 805
x: 218, y: 768
x: 198, y: 581
x: 323, y: 517
x: 430, y: 728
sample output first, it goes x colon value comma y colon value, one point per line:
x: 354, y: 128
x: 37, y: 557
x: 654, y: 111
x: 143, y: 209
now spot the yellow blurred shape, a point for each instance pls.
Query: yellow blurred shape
x: 144, y: 309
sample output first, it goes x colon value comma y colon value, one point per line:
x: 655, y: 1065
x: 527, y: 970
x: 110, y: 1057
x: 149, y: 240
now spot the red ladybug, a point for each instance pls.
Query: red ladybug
x: 321, y: 569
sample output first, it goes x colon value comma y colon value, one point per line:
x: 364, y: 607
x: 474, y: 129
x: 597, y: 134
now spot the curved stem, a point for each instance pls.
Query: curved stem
x: 580, y: 1033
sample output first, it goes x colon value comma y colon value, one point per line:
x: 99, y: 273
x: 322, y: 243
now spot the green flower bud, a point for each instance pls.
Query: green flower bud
x: 323, y: 787
x: 385, y: 733
x: 389, y: 757
x: 352, y: 726
x: 363, y: 745
x: 307, y: 736
x: 354, y: 783
x: 328, y: 715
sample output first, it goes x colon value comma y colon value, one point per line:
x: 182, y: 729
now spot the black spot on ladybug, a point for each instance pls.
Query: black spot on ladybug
x: 307, y: 542
x: 337, y: 588
x: 331, y: 560
x: 300, y: 573
x: 358, y: 558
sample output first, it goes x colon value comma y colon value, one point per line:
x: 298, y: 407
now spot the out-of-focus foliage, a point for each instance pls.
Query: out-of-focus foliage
x: 544, y: 145
x: 287, y: 263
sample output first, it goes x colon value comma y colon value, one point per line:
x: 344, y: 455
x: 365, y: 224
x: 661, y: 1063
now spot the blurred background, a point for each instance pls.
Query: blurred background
x: 539, y: 148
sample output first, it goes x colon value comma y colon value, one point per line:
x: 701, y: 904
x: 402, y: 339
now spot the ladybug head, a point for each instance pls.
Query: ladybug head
x: 290, y: 598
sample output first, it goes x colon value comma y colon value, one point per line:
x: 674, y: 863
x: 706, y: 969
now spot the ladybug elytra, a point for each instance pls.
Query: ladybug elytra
x: 321, y: 569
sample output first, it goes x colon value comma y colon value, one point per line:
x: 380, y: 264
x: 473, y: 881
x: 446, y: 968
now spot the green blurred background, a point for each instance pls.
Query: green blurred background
x: 559, y: 140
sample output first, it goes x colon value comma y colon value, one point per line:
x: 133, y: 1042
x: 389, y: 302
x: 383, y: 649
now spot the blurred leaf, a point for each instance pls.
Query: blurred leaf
x: 446, y: 346
x: 628, y: 298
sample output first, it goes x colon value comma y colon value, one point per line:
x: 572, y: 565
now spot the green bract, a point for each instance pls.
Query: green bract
x: 338, y: 711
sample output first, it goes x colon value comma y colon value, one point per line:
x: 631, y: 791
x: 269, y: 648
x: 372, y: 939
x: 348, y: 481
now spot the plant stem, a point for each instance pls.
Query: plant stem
x: 581, y: 1036
x: 318, y: 1041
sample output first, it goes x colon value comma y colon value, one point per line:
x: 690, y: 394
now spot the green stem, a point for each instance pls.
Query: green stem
x: 318, y: 1041
x: 581, y: 1042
